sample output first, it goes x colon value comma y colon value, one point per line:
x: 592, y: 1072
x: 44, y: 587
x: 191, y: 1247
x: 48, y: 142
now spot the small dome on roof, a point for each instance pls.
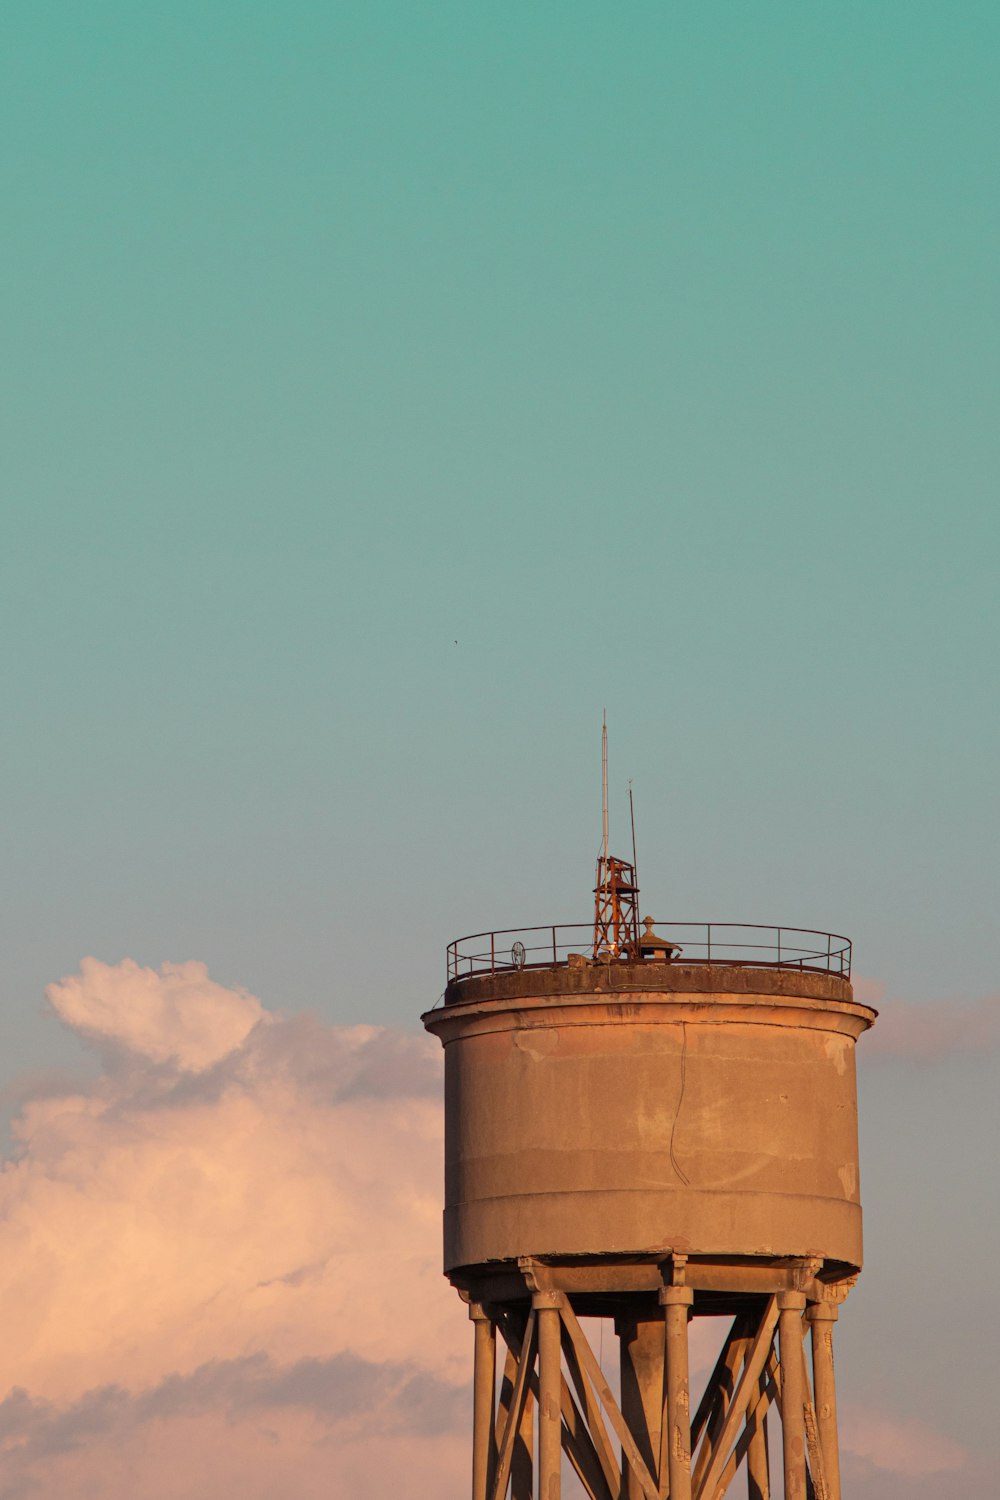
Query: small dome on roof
x: 650, y: 942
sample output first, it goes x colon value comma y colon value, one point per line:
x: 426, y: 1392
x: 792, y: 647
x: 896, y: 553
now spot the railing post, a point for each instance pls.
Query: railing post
x: 554, y: 959
x: 493, y: 952
x: 779, y: 947
x: 709, y: 925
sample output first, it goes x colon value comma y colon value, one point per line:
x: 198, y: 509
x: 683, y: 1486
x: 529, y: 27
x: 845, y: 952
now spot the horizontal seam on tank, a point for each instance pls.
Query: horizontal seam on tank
x: 584, y: 996
x: 611, y: 997
x: 666, y: 997
x: 680, y: 1189
x: 553, y: 1026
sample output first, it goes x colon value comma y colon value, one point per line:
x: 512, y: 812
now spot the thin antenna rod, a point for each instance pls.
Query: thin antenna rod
x: 631, y: 809
x: 604, y: 780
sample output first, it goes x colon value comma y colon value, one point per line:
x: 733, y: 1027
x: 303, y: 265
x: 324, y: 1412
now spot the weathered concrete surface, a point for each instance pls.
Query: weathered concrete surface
x: 664, y: 978
x: 636, y: 1108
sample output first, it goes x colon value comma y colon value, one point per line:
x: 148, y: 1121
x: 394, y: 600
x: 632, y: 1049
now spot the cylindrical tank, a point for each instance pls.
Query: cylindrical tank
x: 638, y: 1108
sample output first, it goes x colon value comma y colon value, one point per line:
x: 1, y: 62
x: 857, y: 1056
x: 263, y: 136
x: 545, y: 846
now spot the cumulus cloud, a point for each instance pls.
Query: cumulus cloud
x: 342, y: 1403
x: 220, y: 1263
x: 261, y: 1455
x: 174, y: 1015
x: 229, y: 1244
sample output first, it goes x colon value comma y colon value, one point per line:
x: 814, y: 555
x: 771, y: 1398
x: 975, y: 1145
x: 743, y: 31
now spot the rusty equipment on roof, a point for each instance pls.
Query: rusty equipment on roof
x: 616, y: 915
x: 616, y: 891
x: 668, y: 1137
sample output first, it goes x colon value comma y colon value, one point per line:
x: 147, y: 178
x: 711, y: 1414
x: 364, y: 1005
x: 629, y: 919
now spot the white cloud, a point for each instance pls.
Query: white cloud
x: 220, y: 1264
x: 174, y: 1015
x: 248, y: 1211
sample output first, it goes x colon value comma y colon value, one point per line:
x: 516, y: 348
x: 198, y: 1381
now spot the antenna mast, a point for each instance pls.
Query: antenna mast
x: 631, y: 813
x: 616, y: 894
x: 604, y: 780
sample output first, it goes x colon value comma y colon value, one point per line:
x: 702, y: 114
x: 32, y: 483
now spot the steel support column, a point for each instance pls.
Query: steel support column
x: 758, y: 1467
x: 822, y: 1316
x: 641, y: 1364
x: 522, y: 1470
x: 483, y: 1400
x: 793, y: 1395
x: 547, y: 1305
x: 676, y: 1302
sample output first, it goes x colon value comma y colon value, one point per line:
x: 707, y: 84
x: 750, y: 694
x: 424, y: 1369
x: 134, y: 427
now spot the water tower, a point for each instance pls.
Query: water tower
x: 649, y: 1127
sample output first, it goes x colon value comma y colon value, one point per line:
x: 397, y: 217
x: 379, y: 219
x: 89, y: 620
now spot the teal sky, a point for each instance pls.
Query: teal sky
x: 649, y: 353
x: 389, y: 387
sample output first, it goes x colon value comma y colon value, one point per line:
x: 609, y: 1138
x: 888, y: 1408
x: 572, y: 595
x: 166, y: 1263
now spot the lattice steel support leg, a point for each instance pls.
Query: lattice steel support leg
x: 483, y: 1398
x: 758, y: 1468
x: 547, y: 1305
x: 793, y: 1369
x: 641, y: 1347
x: 523, y: 1468
x: 822, y: 1316
x: 677, y: 1302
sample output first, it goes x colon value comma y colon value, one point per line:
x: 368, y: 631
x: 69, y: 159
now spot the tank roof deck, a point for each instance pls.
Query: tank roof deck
x: 687, y: 945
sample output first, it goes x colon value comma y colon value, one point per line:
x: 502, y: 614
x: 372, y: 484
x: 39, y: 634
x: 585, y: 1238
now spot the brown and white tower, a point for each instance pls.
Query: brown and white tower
x: 661, y: 1130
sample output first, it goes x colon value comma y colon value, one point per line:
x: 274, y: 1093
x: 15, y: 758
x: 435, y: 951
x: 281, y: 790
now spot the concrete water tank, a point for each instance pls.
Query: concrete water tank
x: 628, y: 1136
x: 642, y: 1107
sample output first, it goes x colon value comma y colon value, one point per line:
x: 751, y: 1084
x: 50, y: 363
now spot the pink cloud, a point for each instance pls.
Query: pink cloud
x: 898, y: 1447
x: 223, y: 1257
x: 933, y: 1028
x: 313, y: 1428
x: 220, y: 1262
x: 256, y: 1454
x: 867, y: 991
x: 172, y: 1015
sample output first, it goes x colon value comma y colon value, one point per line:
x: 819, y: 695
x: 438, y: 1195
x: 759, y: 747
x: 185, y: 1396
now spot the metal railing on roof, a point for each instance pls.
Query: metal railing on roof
x: 746, y: 944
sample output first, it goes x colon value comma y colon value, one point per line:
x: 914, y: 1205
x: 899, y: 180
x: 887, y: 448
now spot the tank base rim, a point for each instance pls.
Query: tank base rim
x: 606, y: 1279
